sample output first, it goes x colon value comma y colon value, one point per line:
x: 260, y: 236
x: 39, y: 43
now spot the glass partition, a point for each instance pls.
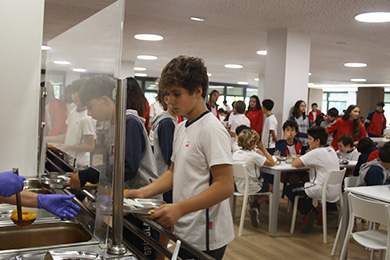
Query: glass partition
x: 80, y: 110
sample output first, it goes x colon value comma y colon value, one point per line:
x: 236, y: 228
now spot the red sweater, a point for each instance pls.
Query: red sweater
x: 341, y: 127
x: 255, y: 116
x: 311, y: 116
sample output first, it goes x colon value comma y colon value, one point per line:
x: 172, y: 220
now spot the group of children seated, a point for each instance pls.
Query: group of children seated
x: 373, y: 164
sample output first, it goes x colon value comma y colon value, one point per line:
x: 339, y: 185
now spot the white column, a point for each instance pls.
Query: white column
x: 261, y: 87
x: 287, y: 69
x: 21, y: 26
x: 127, y: 69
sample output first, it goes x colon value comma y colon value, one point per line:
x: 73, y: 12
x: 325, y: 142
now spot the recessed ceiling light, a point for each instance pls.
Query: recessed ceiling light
x: 140, y: 74
x: 198, y: 19
x: 355, y: 65
x: 358, y: 80
x: 209, y: 74
x: 139, y: 68
x: 256, y: 79
x: 61, y: 62
x: 262, y: 52
x: 79, y: 70
x: 373, y: 17
x: 310, y: 84
x: 242, y: 83
x: 146, y: 57
x: 45, y: 48
x: 148, y: 37
x: 234, y: 66
x: 309, y: 73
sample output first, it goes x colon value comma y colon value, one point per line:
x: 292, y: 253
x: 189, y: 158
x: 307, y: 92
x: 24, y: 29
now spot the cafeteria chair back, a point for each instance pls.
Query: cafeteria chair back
x: 334, y: 178
x: 375, y: 239
x: 349, y: 182
x: 240, y: 171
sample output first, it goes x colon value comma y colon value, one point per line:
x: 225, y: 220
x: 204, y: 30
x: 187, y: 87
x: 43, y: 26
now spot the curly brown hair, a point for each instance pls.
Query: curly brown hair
x: 247, y: 138
x: 186, y: 72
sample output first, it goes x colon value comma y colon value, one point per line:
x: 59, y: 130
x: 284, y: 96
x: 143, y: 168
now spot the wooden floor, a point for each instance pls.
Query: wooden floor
x: 255, y: 243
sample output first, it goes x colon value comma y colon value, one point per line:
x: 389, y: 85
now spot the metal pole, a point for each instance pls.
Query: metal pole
x: 117, y: 247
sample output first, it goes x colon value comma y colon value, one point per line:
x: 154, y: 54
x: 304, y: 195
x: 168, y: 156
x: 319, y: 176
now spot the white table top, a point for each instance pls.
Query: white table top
x: 380, y: 140
x: 285, y: 167
x: 379, y: 192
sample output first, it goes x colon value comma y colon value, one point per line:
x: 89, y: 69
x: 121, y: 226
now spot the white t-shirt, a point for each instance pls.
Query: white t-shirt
x: 321, y: 161
x: 270, y: 123
x: 79, y: 125
x: 253, y: 162
x: 291, y: 149
x: 352, y: 155
x: 214, y: 110
x: 239, y: 119
x: 226, y: 108
x: 231, y: 117
x: 197, y: 147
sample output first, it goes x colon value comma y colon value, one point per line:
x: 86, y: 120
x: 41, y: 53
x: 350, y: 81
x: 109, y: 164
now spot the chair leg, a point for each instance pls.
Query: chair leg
x: 233, y: 201
x: 336, y: 240
x: 270, y: 211
x: 324, y: 222
x: 289, y: 206
x: 243, y: 210
x: 294, y: 214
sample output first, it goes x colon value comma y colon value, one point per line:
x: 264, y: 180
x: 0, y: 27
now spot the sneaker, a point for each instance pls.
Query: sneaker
x: 309, y: 221
x: 254, y: 212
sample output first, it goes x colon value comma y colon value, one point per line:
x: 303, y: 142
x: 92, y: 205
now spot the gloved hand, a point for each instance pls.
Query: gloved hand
x: 10, y: 183
x: 58, y: 204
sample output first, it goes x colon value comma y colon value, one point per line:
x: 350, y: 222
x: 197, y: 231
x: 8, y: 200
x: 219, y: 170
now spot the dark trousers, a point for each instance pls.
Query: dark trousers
x: 217, y: 254
x: 305, y: 204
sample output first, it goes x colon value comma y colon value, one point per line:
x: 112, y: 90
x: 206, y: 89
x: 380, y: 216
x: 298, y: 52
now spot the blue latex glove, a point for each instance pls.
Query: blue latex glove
x: 10, y: 183
x: 58, y: 204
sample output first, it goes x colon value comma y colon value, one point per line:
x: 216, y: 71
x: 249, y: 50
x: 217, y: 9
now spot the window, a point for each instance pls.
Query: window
x: 334, y: 99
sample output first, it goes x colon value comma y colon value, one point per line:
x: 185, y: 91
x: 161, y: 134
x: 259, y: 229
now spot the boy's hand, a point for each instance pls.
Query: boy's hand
x: 260, y: 145
x: 74, y: 181
x: 132, y: 194
x: 167, y: 215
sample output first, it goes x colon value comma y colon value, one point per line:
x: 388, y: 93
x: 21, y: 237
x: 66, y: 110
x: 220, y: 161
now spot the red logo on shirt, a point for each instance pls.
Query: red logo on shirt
x: 188, y: 143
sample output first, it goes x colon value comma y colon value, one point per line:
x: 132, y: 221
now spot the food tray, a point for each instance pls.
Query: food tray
x: 142, y: 212
x: 54, y: 181
x: 140, y: 207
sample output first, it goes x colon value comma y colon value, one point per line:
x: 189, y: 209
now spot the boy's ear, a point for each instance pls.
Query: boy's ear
x: 166, y: 99
x: 199, y: 91
x: 106, y: 99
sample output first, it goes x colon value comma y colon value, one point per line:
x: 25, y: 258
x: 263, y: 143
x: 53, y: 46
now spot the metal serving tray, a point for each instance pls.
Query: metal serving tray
x: 59, y: 255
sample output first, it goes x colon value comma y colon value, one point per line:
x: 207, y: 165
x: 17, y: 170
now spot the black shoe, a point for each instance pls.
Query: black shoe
x: 309, y: 221
x: 254, y: 212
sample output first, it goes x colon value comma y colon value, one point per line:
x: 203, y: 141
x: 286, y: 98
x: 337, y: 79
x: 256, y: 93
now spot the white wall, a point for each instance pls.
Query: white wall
x: 21, y: 26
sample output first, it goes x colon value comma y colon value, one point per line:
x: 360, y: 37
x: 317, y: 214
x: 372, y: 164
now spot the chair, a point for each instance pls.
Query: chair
x: 334, y: 177
x: 349, y: 182
x: 375, y: 239
x: 240, y: 171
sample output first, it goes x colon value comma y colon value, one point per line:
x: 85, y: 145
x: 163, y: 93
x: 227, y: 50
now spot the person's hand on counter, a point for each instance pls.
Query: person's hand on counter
x: 167, y: 215
x: 132, y: 194
x: 10, y: 183
x: 58, y: 204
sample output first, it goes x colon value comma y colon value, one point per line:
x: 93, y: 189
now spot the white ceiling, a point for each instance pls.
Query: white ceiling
x: 234, y: 30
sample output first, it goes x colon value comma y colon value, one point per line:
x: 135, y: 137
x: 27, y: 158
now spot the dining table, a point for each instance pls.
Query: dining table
x: 378, y: 193
x: 380, y: 141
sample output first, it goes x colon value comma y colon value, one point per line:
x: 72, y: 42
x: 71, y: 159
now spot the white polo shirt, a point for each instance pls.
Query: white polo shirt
x: 196, y: 147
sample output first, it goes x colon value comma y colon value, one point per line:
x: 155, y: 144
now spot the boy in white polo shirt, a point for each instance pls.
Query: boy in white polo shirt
x: 270, y: 126
x: 200, y: 174
x: 322, y: 160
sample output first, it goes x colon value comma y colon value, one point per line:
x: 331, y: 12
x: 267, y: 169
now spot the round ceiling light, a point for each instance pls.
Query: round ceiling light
x: 373, y: 17
x: 358, y: 80
x: 45, y: 48
x: 242, y: 83
x: 139, y: 68
x: 79, y: 70
x: 61, y: 62
x: 256, y: 79
x: 140, y: 74
x: 262, y: 52
x: 234, y: 66
x: 355, y: 65
x: 197, y: 19
x: 146, y: 57
x: 148, y: 37
x: 209, y: 74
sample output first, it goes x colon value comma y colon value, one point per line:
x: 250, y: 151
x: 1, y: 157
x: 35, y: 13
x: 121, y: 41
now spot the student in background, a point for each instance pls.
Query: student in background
x: 247, y: 141
x: 346, y: 148
x: 270, y: 126
x: 239, y: 129
x: 225, y: 106
x: 289, y: 145
x: 321, y: 160
x: 375, y: 123
x: 314, y: 112
x: 376, y: 172
x: 299, y: 116
x: 331, y: 118
x: 155, y: 109
x: 212, y: 103
x: 201, y: 173
x: 349, y: 124
x: 239, y: 119
x: 366, y: 147
x: 222, y: 117
x: 55, y: 112
x: 255, y: 114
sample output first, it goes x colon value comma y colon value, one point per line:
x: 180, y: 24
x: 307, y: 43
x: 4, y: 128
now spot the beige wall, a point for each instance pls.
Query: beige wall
x: 315, y: 96
x: 368, y: 97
